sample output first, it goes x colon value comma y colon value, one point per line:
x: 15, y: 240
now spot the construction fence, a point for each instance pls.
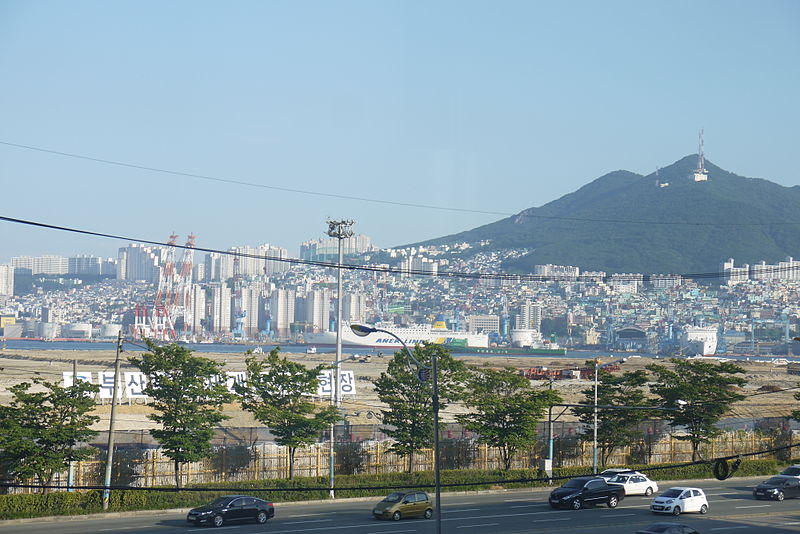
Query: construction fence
x: 250, y: 454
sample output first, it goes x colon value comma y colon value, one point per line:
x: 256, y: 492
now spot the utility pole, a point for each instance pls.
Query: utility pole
x: 71, y: 472
x: 594, y: 441
x: 341, y: 230
x: 111, y: 424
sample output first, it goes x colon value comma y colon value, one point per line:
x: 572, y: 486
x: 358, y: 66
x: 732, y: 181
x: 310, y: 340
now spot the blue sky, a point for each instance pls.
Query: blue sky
x: 489, y: 106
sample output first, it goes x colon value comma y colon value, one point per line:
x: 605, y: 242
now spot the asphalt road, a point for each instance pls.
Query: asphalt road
x: 732, y: 509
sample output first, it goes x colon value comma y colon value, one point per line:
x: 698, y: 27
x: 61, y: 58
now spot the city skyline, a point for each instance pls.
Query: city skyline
x: 460, y: 106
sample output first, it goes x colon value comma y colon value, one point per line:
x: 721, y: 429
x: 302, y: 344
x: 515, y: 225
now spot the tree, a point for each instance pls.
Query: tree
x: 277, y: 393
x: 188, y: 393
x: 39, y: 430
x: 505, y: 410
x: 699, y: 394
x: 409, y: 416
x: 615, y: 427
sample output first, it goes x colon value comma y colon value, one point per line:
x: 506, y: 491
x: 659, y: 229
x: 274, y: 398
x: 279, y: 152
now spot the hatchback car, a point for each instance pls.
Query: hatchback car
x: 232, y: 508
x: 635, y: 483
x: 400, y: 504
x: 677, y: 500
x: 614, y: 471
x: 778, y: 488
x: 667, y: 528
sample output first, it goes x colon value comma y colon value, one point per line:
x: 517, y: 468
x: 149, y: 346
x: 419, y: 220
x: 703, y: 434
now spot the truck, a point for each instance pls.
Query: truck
x: 580, y: 492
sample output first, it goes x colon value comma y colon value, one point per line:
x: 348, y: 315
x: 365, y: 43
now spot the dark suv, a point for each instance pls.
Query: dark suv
x: 231, y: 508
x: 583, y: 491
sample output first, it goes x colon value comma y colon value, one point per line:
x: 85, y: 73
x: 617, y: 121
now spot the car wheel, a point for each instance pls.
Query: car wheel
x: 613, y: 501
x: 577, y: 504
x: 218, y: 520
x: 676, y: 510
x: 780, y: 496
x: 428, y: 513
x: 261, y: 518
x: 648, y: 492
x: 704, y: 509
x: 396, y: 516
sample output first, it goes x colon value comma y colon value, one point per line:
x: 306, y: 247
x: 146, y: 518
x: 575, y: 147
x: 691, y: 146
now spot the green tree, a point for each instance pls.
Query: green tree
x: 188, y: 393
x: 39, y: 430
x: 409, y: 416
x: 699, y: 394
x: 277, y: 392
x: 615, y: 427
x: 505, y: 410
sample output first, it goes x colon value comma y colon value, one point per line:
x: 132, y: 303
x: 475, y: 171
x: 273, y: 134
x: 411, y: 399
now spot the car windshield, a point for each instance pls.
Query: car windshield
x: 658, y: 528
x: 621, y: 479
x: 575, y: 483
x: 394, y: 497
x: 775, y: 481
x: 220, y: 501
x: 671, y: 493
x: 792, y: 471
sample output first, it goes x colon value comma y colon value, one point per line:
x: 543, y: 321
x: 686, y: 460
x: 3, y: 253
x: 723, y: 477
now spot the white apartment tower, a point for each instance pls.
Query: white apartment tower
x: 281, y: 307
x: 252, y: 305
x: 198, y: 310
x: 318, y: 309
x: 354, y: 308
x: 137, y: 262
x: 529, y: 316
x: 7, y: 280
x: 220, y: 309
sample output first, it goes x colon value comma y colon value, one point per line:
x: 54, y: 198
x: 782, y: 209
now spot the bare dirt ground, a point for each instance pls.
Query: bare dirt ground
x: 20, y: 365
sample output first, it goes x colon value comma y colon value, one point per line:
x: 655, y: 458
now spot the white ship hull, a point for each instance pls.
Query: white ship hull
x: 411, y: 336
x: 699, y: 340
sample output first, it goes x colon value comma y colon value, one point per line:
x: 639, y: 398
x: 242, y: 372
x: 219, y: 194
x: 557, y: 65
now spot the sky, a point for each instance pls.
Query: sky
x: 274, y: 116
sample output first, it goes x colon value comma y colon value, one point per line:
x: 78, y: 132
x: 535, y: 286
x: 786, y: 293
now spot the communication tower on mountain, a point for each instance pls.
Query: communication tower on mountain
x: 701, y: 174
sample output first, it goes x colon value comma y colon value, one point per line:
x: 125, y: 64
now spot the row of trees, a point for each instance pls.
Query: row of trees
x: 41, y: 431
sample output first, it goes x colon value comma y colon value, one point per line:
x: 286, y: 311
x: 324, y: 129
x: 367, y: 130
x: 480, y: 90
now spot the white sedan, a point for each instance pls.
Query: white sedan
x: 675, y: 501
x: 635, y: 483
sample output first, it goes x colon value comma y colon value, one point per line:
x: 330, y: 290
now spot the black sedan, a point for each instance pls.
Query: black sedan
x: 778, y: 488
x: 231, y: 508
x: 667, y: 528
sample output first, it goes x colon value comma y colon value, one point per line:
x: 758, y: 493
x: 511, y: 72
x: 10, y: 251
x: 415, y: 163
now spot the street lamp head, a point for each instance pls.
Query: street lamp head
x: 362, y: 330
x: 681, y: 403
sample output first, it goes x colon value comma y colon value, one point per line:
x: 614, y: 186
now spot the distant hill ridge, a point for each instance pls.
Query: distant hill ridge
x: 583, y: 228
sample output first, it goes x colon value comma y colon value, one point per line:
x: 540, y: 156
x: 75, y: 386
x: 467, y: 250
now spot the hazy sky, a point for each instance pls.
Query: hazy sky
x: 491, y: 106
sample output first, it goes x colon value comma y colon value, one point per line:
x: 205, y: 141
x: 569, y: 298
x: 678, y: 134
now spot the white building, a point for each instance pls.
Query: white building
x: 529, y: 316
x: 557, y: 272
x: 484, y: 323
x: 354, y: 308
x: 42, y: 264
x: 138, y: 262
x: 282, y: 311
x: 7, y: 280
x: 220, y: 309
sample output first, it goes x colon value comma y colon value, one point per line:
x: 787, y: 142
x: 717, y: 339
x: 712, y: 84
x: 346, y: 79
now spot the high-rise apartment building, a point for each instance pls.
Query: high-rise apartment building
x: 529, y: 316
x: 317, y: 310
x: 42, y: 264
x: 483, y: 323
x: 327, y: 248
x: 281, y: 307
x: 138, y: 262
x: 91, y: 265
x: 218, y: 267
x: 220, y: 308
x: 252, y: 306
x: 354, y: 308
x: 197, y: 311
x: 7, y: 280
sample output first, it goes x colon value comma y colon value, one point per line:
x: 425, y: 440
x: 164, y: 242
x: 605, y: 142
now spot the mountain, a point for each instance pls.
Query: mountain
x: 626, y: 222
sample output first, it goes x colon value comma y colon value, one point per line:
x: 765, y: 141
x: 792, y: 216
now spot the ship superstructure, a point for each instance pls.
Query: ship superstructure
x: 411, y: 335
x: 699, y: 340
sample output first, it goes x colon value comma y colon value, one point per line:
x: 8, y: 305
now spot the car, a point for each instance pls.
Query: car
x: 778, y: 488
x: 667, y: 528
x: 680, y: 499
x: 400, y: 504
x: 635, y: 483
x: 614, y: 471
x: 792, y: 471
x: 583, y: 491
x: 232, y: 508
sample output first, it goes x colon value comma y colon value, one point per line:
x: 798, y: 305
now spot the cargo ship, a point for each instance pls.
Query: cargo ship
x: 548, y: 349
x: 411, y: 335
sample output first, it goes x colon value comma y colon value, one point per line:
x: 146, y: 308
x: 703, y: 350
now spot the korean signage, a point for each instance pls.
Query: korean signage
x: 133, y: 383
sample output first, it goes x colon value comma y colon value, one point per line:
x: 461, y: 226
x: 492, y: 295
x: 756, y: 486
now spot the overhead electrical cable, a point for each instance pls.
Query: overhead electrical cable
x: 480, y: 275
x: 526, y: 213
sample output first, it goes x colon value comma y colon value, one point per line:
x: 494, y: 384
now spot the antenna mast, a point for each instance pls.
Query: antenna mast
x: 701, y: 174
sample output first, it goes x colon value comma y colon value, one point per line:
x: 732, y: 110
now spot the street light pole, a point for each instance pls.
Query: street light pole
x: 594, y: 439
x: 362, y: 330
x: 111, y: 425
x: 341, y: 230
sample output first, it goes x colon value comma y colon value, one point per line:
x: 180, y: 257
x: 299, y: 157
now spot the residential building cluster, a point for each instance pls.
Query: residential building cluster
x: 252, y: 293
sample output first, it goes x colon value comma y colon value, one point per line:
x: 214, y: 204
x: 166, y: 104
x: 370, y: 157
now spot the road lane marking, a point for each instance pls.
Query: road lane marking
x: 730, y: 528
x: 459, y: 511
x: 391, y: 531
x: 309, y: 521
x: 526, y: 505
x: 618, y: 515
x: 755, y: 506
x: 515, y: 500
x: 310, y: 515
x: 482, y: 525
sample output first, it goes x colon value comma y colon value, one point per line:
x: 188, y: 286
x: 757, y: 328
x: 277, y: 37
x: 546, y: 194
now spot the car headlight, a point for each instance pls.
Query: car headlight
x: 670, y: 501
x: 773, y: 490
x: 567, y: 497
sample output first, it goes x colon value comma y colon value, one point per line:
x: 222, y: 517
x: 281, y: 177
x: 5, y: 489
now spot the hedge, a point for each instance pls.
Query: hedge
x: 89, y: 501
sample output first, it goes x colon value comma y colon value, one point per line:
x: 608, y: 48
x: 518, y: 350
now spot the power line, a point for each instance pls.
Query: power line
x: 392, y: 270
x: 524, y: 214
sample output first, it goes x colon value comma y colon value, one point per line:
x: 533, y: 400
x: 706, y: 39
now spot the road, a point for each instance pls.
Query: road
x: 732, y: 509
